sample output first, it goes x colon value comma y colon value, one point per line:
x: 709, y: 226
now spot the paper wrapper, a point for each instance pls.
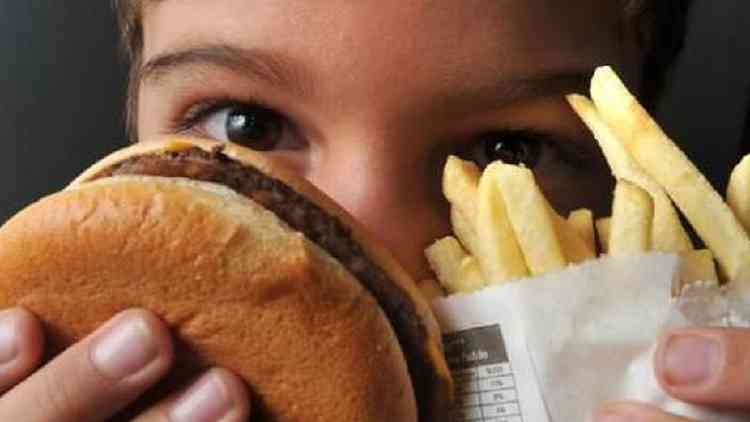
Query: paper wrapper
x: 556, y: 347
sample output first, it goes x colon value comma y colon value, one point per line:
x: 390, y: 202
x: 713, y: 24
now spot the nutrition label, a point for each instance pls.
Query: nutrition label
x: 485, y: 382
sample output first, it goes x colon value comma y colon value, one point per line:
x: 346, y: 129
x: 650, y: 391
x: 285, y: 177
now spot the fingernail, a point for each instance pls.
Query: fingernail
x: 206, y: 401
x: 690, y: 359
x: 127, y: 348
x: 8, y: 340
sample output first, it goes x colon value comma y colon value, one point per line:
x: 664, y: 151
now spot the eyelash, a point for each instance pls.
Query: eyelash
x: 194, y: 114
x: 569, y: 151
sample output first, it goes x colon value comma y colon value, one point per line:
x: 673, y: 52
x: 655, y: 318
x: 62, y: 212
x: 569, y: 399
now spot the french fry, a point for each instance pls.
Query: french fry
x: 667, y: 232
x: 460, y: 186
x: 582, y: 222
x: 529, y: 217
x: 713, y: 220
x: 698, y: 265
x: 575, y: 248
x: 457, y: 271
x: 738, y: 192
x: 695, y: 266
x: 465, y: 231
x: 603, y: 228
x: 499, y: 254
x: 471, y: 274
x: 632, y: 216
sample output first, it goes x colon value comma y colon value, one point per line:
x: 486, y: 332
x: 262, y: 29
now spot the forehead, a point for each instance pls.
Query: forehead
x: 370, y: 47
x: 542, y: 31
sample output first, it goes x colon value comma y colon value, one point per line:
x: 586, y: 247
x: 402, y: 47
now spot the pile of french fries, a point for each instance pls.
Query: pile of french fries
x: 505, y: 229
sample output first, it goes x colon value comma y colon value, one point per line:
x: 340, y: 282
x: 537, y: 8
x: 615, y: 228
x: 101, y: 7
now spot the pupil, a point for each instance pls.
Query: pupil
x: 512, y: 151
x: 255, y: 128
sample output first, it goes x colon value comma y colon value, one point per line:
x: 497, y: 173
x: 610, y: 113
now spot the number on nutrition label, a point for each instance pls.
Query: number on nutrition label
x: 494, y: 370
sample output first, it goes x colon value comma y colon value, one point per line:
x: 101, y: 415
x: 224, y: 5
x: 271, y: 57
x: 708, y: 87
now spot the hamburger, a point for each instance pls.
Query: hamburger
x: 253, y: 269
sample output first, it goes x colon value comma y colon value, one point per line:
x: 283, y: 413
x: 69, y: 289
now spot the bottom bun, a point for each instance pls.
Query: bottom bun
x: 238, y: 288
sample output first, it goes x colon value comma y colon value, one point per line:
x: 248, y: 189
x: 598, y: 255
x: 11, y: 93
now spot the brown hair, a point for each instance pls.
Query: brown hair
x: 129, y: 17
x: 666, y: 20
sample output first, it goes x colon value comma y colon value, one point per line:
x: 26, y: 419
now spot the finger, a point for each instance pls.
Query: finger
x: 21, y: 346
x: 217, y: 396
x: 97, y: 376
x: 634, y: 412
x: 706, y: 366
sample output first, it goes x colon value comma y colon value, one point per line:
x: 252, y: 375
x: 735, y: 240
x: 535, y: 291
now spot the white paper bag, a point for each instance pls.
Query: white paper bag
x: 556, y: 347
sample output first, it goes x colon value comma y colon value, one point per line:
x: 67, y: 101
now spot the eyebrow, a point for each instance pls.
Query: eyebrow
x: 557, y: 83
x: 502, y: 92
x: 284, y: 73
x: 271, y: 68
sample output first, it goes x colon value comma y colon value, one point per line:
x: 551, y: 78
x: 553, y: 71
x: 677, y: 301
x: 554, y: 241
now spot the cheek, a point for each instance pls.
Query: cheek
x: 395, y: 201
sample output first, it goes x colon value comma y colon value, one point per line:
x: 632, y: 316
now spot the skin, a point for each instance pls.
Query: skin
x: 372, y: 96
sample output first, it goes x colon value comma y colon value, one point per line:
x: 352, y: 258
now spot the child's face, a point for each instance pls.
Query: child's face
x: 369, y: 97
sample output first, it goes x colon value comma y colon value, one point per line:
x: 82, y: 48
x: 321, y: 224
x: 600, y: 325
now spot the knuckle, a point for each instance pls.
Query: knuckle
x: 59, y: 397
x: 26, y: 342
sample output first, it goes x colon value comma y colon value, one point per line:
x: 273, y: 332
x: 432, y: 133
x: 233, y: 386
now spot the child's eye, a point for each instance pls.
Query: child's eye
x: 253, y: 126
x: 510, y: 147
x: 570, y: 172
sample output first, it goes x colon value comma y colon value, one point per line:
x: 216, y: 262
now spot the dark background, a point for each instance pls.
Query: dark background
x: 62, y: 89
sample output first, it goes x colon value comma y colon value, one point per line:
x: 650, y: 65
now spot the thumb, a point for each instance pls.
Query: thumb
x: 707, y: 366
